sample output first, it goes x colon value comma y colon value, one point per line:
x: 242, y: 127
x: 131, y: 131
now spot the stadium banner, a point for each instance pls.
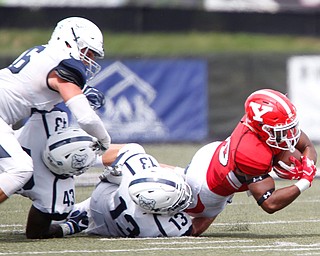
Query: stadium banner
x: 154, y: 100
x: 304, y: 91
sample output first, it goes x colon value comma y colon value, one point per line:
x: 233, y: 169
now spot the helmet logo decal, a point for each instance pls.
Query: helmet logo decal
x: 259, y: 110
x: 146, y: 203
x: 74, y: 35
x: 79, y: 161
x: 276, y: 97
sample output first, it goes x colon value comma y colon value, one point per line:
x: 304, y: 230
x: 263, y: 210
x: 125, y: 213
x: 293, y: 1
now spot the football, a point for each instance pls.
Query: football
x: 284, y: 156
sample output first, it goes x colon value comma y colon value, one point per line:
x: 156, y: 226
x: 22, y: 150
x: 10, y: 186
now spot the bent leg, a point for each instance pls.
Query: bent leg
x: 16, y: 166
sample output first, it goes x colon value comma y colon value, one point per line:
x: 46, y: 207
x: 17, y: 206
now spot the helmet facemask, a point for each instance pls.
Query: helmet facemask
x: 92, y: 67
x: 284, y: 137
x: 183, y: 201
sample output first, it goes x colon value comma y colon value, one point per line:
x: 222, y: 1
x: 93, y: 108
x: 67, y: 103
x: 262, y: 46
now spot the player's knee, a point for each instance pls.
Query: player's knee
x: 22, y: 176
x: 14, y: 179
x: 32, y: 235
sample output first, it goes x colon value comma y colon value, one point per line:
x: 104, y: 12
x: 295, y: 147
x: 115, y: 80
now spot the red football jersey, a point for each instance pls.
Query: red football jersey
x: 244, y: 152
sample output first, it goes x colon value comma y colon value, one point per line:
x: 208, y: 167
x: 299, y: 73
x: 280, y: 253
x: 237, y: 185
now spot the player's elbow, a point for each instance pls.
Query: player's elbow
x: 269, y: 207
x: 268, y: 210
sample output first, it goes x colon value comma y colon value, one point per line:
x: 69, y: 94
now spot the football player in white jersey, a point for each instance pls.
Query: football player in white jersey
x: 53, y: 192
x: 149, y: 201
x: 40, y: 78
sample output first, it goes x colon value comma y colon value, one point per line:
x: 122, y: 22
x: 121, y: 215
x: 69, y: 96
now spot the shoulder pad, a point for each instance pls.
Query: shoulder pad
x: 73, y: 71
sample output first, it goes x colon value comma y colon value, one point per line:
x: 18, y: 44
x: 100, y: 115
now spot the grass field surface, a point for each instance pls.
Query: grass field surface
x: 242, y: 229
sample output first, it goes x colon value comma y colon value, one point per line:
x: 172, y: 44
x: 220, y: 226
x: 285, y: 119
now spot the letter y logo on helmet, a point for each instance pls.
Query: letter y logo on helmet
x: 259, y: 110
x: 273, y: 117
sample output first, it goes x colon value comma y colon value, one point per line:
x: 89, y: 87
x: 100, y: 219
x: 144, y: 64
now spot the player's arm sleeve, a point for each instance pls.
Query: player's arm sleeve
x: 87, y: 119
x: 73, y: 71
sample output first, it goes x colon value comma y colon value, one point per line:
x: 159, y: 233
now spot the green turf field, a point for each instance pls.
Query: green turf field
x: 242, y: 229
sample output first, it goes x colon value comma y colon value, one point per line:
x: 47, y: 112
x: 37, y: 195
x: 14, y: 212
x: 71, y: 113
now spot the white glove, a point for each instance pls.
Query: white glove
x: 112, y: 174
x: 100, y: 146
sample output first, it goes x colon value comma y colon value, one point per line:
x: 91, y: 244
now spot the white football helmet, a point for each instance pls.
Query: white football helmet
x: 68, y: 152
x: 160, y: 191
x: 76, y: 34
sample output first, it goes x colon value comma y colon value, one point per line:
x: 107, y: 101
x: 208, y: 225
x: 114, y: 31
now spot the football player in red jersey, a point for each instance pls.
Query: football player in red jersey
x: 243, y: 161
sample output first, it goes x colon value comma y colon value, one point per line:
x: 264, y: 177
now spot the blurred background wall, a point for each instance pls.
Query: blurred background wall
x: 264, y: 16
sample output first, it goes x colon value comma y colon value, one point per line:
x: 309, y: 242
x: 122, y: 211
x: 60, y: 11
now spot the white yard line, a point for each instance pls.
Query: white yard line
x: 266, y: 222
x: 203, y: 242
x: 279, y: 246
x: 194, y: 243
x: 252, y: 248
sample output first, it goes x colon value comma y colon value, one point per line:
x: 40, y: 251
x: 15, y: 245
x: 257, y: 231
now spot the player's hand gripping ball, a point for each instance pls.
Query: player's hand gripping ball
x: 284, y: 167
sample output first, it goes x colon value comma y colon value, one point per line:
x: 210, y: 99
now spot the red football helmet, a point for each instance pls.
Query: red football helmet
x: 274, y: 118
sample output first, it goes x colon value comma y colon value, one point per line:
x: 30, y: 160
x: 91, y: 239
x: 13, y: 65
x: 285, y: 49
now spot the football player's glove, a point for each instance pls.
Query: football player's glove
x: 112, y: 174
x: 76, y: 222
x: 95, y: 97
x: 79, y: 221
x: 100, y: 146
x: 289, y: 172
x: 307, y: 167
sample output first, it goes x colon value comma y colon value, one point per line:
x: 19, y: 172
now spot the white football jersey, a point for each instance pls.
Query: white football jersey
x: 113, y: 213
x: 23, y: 85
x: 48, y: 193
x: 206, y: 203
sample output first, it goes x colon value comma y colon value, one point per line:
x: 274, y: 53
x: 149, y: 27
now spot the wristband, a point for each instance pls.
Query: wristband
x: 302, y: 185
x: 258, y: 178
x: 265, y: 196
